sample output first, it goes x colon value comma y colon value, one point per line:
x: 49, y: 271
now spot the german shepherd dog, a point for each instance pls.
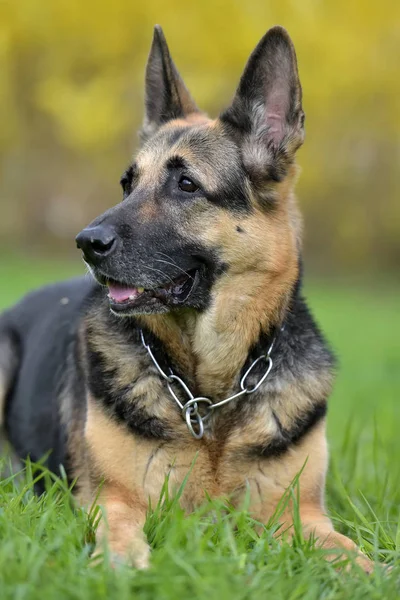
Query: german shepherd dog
x: 192, y: 343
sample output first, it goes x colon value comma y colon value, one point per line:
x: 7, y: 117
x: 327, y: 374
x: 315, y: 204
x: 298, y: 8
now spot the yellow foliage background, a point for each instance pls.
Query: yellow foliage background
x: 71, y: 97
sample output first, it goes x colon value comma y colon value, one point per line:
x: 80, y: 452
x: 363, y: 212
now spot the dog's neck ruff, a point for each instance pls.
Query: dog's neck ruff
x: 190, y: 409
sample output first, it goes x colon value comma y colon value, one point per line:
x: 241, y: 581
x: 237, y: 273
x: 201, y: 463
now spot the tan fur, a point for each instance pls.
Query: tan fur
x: 147, y: 211
x: 174, y: 334
x: 74, y: 428
x: 122, y: 525
x: 193, y: 118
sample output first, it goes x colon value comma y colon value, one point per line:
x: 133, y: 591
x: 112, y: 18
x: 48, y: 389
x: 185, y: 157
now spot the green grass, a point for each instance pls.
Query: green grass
x: 215, y: 553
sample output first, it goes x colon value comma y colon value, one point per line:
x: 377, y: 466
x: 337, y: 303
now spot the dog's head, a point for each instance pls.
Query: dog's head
x: 207, y: 204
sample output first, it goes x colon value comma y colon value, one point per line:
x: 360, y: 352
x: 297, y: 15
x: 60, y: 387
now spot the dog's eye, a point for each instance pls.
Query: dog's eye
x: 187, y: 185
x: 126, y: 182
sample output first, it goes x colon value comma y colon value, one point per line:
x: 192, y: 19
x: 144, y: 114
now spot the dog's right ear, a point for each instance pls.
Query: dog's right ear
x: 166, y: 95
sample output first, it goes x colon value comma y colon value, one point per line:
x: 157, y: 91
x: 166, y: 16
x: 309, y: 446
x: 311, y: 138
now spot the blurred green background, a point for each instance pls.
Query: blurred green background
x: 71, y: 96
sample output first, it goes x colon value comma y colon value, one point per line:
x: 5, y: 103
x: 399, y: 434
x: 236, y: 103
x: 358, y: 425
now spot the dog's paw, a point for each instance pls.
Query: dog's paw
x: 138, y: 561
x: 139, y: 558
x: 365, y: 564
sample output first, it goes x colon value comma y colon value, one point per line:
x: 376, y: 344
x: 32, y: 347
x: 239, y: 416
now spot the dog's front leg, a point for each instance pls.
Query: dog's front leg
x: 121, y: 528
x: 318, y: 526
x: 270, y: 480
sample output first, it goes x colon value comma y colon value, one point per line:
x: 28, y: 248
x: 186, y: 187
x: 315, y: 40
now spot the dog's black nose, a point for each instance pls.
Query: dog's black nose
x: 96, y: 242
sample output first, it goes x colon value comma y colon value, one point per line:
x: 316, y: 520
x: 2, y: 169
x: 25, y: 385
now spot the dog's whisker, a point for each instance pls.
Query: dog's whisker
x: 174, y: 265
x: 166, y: 256
x: 159, y: 271
x: 173, y: 262
x: 226, y: 273
x: 89, y: 271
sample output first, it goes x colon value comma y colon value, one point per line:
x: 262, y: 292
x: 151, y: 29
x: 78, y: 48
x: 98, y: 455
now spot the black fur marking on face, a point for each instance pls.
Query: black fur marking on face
x: 239, y: 229
x: 102, y: 384
x: 154, y: 252
x: 231, y: 195
x: 289, y: 437
x: 176, y: 162
x: 129, y: 179
x: 228, y: 189
x: 173, y: 135
x: 126, y: 182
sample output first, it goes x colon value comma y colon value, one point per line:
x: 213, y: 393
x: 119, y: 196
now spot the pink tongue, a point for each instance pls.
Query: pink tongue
x: 120, y: 293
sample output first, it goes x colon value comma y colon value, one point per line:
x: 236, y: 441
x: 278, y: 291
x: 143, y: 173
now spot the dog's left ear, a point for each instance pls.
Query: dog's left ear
x: 166, y: 95
x: 266, y: 113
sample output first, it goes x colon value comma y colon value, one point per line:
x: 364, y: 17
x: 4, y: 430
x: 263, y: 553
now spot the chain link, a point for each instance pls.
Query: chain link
x: 190, y: 409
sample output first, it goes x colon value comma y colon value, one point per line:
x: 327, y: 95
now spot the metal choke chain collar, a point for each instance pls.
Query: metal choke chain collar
x: 190, y: 410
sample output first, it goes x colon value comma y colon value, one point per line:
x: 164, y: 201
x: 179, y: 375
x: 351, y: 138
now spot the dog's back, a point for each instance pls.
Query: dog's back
x: 36, y: 338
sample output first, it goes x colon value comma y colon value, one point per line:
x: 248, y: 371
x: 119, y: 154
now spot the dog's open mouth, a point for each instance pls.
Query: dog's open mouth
x: 175, y: 292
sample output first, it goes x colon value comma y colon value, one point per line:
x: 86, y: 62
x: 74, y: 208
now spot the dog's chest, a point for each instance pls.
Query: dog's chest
x: 206, y: 467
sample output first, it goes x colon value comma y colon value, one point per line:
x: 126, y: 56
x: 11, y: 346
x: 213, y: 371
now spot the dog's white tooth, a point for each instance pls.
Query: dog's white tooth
x: 131, y: 297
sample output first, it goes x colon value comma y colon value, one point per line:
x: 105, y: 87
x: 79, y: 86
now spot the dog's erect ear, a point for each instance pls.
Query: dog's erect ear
x: 266, y: 111
x: 166, y: 95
